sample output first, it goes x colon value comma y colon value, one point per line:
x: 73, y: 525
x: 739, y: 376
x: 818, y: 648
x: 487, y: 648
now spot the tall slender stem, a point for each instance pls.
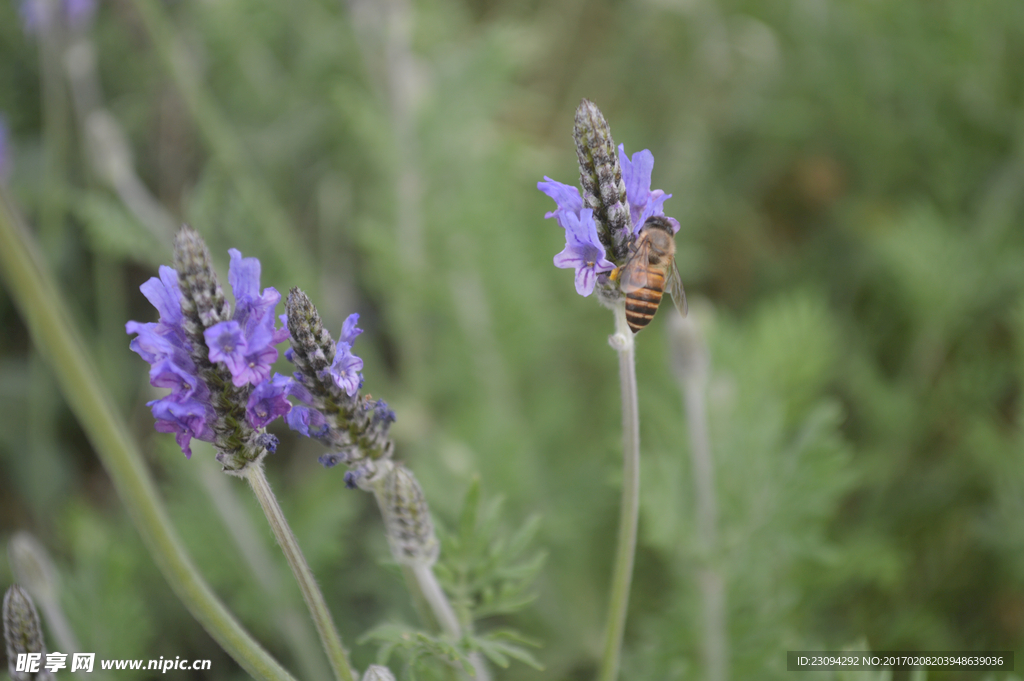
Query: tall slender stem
x: 329, y: 637
x: 42, y: 308
x: 427, y: 585
x: 629, y: 513
x: 436, y: 611
x: 292, y: 625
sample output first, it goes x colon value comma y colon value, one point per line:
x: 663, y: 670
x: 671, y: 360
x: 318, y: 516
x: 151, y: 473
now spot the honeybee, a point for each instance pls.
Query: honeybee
x: 649, y: 269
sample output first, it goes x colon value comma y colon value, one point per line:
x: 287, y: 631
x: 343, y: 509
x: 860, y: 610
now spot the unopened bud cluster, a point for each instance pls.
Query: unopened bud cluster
x: 22, y: 633
x: 407, y: 522
x: 604, y: 192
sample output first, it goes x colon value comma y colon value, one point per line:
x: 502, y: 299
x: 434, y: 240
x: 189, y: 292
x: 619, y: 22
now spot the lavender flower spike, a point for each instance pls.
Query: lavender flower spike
x: 216, y: 363
x: 326, y: 385
x: 602, y: 224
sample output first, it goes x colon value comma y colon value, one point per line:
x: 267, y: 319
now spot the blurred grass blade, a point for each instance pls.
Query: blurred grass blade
x: 42, y: 308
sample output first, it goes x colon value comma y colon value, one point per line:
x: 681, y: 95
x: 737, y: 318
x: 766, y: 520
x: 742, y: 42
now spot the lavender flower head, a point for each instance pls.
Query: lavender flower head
x: 215, y: 362
x: 326, y: 387
x: 602, y: 224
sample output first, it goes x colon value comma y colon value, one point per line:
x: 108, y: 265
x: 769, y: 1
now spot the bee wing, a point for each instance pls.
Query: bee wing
x: 634, y: 272
x: 675, y: 287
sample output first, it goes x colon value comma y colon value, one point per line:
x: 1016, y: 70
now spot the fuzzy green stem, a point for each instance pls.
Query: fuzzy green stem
x: 291, y: 623
x: 425, y: 588
x: 329, y: 637
x: 428, y: 586
x: 629, y: 513
x: 33, y: 290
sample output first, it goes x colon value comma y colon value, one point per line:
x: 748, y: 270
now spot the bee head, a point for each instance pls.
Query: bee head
x: 659, y: 222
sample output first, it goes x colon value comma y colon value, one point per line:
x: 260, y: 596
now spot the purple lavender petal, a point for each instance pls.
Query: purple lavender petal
x: 643, y: 202
x: 296, y: 389
x: 332, y: 459
x: 585, y: 280
x: 268, y: 401
x: 654, y: 207
x: 382, y: 413
x: 227, y: 344
x: 583, y: 252
x: 153, y: 341
x: 187, y: 419
x: 349, y: 330
x: 243, y: 275
x: 282, y: 334
x: 256, y: 368
x: 636, y: 175
x: 307, y: 421
x: 165, y: 295
x: 344, y: 371
x: 166, y: 373
x: 568, y: 198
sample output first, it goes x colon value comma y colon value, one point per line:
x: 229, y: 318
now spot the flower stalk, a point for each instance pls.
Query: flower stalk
x: 311, y: 594
x: 629, y: 511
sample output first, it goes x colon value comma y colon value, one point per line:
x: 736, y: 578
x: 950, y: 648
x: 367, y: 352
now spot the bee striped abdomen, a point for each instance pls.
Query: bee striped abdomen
x: 643, y: 303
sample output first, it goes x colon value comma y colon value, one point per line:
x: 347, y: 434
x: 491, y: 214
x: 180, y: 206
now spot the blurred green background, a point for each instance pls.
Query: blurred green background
x: 849, y: 176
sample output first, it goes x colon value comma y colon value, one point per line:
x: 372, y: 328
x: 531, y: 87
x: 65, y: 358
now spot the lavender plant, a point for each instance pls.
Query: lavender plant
x: 603, y: 230
x: 217, y: 364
